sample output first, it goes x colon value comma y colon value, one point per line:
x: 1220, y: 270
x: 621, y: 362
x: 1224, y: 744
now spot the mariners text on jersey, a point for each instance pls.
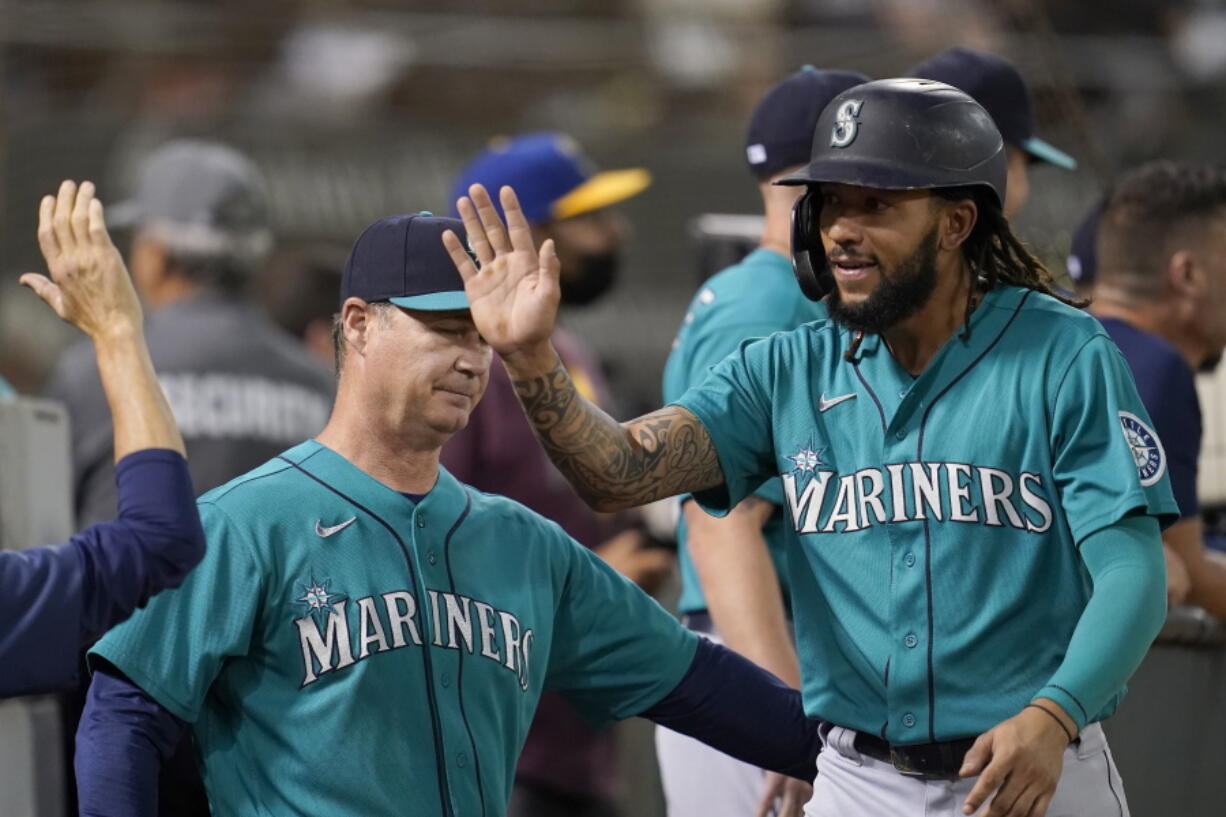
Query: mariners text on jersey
x: 390, y: 621
x: 822, y: 501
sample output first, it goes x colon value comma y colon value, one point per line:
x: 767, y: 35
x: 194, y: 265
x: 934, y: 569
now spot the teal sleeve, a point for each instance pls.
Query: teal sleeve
x: 1126, y: 610
x: 734, y: 405
x: 714, y: 343
x: 1107, y: 460
x: 175, y: 647
x: 615, y: 651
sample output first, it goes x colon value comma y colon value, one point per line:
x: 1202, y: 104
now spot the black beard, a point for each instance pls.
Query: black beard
x: 896, y: 298
x: 595, y: 275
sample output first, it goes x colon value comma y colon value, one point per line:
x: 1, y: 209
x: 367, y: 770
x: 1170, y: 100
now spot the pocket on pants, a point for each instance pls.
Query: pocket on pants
x: 1089, y: 784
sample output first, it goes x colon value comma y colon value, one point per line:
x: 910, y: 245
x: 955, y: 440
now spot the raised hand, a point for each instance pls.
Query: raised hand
x: 88, y: 285
x: 514, y: 291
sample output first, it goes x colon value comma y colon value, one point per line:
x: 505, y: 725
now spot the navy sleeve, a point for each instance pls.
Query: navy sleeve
x: 122, y: 739
x: 57, y: 598
x: 731, y: 704
x: 1174, y: 406
x: 1167, y: 386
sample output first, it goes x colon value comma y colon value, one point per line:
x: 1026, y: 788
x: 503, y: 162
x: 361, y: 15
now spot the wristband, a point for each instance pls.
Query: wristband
x: 1054, y: 717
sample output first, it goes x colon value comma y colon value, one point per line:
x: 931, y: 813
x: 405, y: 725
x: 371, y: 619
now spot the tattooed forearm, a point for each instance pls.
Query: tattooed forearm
x: 618, y: 465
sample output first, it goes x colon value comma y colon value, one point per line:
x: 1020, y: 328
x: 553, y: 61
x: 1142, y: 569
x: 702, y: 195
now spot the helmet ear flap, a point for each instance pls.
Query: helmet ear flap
x: 808, y: 254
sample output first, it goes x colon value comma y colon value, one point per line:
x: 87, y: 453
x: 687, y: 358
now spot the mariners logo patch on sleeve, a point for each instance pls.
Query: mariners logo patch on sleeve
x: 1147, y: 452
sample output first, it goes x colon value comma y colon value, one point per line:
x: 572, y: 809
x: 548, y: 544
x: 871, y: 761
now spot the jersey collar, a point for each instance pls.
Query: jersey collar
x: 447, y: 496
x: 959, y: 354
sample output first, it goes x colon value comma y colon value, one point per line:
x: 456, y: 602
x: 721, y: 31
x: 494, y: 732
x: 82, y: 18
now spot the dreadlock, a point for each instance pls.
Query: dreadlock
x: 996, y: 255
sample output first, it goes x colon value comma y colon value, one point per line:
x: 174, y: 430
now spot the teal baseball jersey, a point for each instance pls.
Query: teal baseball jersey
x: 752, y: 299
x: 343, y: 650
x: 936, y: 579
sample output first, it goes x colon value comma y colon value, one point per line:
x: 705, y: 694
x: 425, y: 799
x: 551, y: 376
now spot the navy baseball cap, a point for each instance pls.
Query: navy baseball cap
x: 998, y: 86
x: 402, y: 259
x: 1082, y: 261
x: 550, y: 175
x: 780, y: 133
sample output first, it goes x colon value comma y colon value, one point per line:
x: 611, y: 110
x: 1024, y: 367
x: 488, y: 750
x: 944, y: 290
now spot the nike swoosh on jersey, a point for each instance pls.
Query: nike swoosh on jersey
x: 324, y: 533
x: 823, y: 404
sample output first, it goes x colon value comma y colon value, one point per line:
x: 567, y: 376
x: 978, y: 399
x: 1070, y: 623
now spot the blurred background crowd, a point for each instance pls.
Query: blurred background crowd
x: 352, y: 111
x: 355, y: 110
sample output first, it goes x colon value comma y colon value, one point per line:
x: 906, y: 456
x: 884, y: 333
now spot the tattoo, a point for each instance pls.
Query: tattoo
x: 618, y: 465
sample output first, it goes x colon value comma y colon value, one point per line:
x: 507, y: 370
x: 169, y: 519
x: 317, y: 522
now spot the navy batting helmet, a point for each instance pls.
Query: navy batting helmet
x: 892, y: 134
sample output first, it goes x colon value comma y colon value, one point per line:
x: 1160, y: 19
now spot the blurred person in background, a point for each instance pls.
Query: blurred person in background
x: 299, y: 292
x: 733, y: 567
x: 1160, y: 292
x: 6, y: 391
x: 1082, y: 261
x: 58, y: 598
x: 998, y: 86
x: 567, y: 768
x: 240, y: 388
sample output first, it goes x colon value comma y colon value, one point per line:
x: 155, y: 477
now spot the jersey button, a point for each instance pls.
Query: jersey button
x: 908, y: 720
x: 911, y: 641
x: 909, y: 560
x: 431, y: 558
x: 900, y: 434
x: 461, y: 760
x: 421, y: 520
x: 446, y: 680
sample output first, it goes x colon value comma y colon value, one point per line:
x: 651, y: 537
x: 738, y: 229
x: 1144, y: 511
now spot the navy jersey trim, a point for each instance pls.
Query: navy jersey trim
x: 1111, y: 781
x: 459, y: 675
x: 1085, y: 716
x: 444, y: 788
x: 919, y: 457
x: 855, y: 365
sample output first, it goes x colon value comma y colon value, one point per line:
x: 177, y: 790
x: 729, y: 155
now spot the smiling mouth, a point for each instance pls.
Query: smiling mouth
x: 851, y: 267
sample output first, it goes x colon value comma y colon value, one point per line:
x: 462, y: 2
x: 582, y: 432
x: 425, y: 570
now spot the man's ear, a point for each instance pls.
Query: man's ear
x: 147, y: 260
x: 1185, y: 275
x: 357, y: 318
x: 957, y: 222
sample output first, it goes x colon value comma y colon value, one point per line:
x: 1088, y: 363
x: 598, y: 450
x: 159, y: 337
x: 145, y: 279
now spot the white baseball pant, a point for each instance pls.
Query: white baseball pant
x: 850, y: 784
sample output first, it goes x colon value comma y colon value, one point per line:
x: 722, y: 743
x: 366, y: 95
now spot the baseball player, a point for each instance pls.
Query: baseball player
x: 976, y: 486
x: 57, y: 598
x: 367, y: 635
x: 1159, y: 290
x: 731, y: 566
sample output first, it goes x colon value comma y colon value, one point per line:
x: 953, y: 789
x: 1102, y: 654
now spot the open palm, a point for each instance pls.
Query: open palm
x: 87, y: 285
x: 512, y: 288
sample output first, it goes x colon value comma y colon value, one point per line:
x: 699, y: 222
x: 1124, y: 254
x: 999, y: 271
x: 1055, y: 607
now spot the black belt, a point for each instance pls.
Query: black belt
x: 940, y: 759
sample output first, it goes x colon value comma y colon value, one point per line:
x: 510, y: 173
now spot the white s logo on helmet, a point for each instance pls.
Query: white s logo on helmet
x: 845, y: 125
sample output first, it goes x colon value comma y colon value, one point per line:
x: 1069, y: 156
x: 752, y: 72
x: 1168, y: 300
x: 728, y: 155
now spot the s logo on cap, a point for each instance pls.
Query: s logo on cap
x: 845, y: 125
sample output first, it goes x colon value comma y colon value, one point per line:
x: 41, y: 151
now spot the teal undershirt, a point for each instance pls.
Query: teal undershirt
x: 1126, y: 610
